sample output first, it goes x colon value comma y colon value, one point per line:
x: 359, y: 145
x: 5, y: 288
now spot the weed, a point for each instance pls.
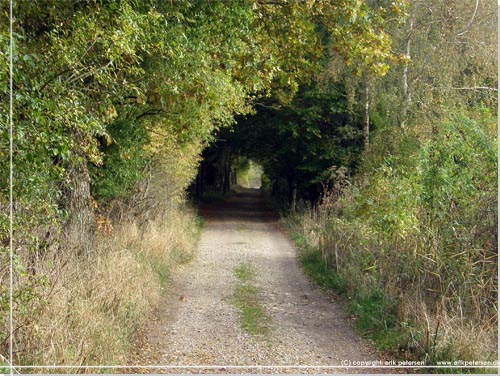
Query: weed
x: 416, y: 286
x: 245, y: 272
x: 247, y: 299
x: 375, y: 318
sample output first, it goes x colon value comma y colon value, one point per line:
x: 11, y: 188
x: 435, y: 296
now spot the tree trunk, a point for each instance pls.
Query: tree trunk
x: 234, y: 180
x: 366, y: 115
x: 294, y: 199
x: 274, y: 187
x: 227, y: 174
x: 406, y: 86
x: 199, y: 181
x: 292, y: 192
x: 80, y: 224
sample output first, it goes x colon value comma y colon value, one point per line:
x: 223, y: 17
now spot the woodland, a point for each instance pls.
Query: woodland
x: 374, y: 123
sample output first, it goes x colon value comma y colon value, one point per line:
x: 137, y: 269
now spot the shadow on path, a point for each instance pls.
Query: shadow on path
x: 246, y: 205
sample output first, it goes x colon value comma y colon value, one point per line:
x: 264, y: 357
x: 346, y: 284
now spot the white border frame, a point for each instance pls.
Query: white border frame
x: 13, y: 368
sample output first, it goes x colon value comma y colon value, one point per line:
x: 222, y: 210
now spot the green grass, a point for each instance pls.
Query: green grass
x: 246, y: 298
x: 374, y: 314
x: 4, y: 368
x: 245, y: 272
x: 319, y: 272
x: 162, y: 272
x: 376, y: 319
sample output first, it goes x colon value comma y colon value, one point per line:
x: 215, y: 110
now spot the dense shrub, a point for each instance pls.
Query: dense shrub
x: 418, y: 242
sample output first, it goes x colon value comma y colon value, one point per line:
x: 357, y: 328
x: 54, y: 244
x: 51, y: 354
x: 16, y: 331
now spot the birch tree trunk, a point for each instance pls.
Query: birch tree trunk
x: 406, y: 86
x: 366, y: 110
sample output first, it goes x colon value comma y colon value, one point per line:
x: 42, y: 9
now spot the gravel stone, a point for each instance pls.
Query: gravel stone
x: 198, y: 326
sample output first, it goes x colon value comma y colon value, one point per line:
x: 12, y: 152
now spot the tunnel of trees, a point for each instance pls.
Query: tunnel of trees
x: 297, y: 144
x: 381, y: 113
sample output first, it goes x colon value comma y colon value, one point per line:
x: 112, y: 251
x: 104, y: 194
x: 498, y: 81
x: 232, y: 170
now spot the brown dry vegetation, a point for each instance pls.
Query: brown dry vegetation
x: 89, y: 307
x: 421, y: 277
x: 435, y: 316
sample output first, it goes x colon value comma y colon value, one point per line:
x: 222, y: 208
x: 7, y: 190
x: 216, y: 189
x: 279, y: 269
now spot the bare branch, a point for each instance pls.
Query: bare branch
x: 270, y: 2
x: 266, y: 106
x: 470, y: 22
x: 475, y: 88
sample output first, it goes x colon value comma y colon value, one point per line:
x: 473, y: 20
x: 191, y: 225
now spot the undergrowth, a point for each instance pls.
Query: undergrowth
x: 411, y: 244
x: 90, y: 306
x: 377, y: 317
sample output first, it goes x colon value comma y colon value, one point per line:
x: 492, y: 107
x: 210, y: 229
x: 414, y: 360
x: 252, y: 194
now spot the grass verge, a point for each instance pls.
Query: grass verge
x: 379, y: 314
x: 247, y: 299
x: 374, y: 315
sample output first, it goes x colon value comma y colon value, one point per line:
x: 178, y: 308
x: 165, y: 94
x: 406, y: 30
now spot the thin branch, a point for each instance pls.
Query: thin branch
x: 471, y: 20
x: 88, y: 73
x: 149, y: 113
x: 53, y: 78
x: 475, y: 88
x: 462, y: 88
x: 87, y: 51
x: 266, y: 106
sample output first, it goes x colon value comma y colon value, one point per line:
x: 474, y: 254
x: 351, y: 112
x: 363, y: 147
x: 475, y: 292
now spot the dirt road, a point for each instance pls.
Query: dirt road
x: 199, y: 326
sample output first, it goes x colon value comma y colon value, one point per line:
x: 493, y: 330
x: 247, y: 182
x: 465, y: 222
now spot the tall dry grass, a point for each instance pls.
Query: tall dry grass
x: 435, y: 283
x: 84, y: 310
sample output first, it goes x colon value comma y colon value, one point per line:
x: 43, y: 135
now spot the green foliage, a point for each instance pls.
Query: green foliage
x: 374, y: 312
x: 299, y: 142
x: 373, y: 48
x: 266, y: 183
x: 123, y: 162
x: 317, y: 270
x: 376, y: 319
x: 390, y: 202
x: 458, y: 165
x: 413, y: 241
x: 248, y: 173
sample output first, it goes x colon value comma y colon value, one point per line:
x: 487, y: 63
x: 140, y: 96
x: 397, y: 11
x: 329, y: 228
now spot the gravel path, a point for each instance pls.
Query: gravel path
x: 198, y: 325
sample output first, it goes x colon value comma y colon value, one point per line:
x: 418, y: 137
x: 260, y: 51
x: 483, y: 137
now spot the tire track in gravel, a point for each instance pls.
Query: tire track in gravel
x: 198, y: 326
